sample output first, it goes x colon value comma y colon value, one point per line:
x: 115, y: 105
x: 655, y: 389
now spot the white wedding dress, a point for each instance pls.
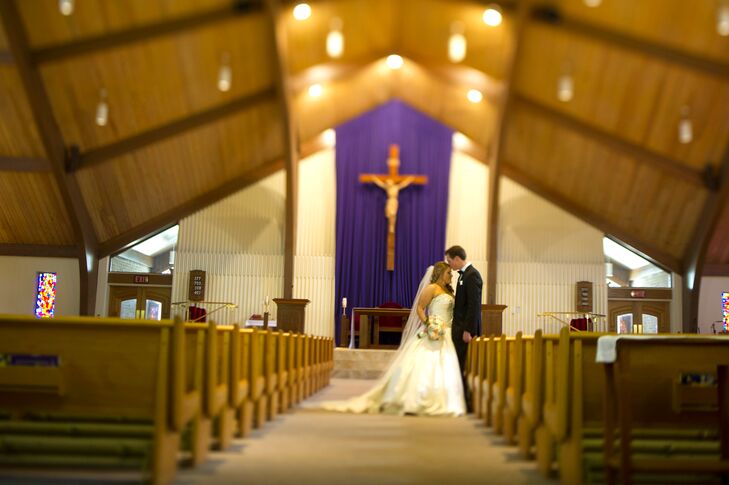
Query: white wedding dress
x: 423, y: 379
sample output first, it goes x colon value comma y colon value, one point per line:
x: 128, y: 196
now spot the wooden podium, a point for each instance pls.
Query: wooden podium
x: 290, y: 314
x: 491, y: 316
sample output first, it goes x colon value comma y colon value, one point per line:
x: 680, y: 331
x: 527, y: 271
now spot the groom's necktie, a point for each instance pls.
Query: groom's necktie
x: 460, y: 277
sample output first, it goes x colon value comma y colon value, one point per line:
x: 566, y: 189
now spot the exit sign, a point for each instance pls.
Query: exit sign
x: 141, y: 279
x: 637, y: 293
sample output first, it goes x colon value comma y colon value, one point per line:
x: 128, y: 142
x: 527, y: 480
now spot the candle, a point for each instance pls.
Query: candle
x: 344, y: 302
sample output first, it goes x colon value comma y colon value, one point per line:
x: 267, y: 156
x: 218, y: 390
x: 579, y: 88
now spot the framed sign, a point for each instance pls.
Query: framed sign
x: 583, y: 300
x: 197, y: 285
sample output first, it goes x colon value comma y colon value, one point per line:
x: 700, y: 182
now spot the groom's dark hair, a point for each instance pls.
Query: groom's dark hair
x: 454, y: 251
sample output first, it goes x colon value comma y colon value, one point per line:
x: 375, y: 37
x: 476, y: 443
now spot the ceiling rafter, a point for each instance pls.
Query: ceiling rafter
x: 497, y: 150
x: 279, y: 39
x: 38, y: 250
x: 628, y: 148
x: 96, y: 156
x: 24, y: 164
x: 142, y: 33
x: 646, y: 250
x: 138, y: 233
x: 695, y: 257
x: 53, y: 144
x: 552, y: 16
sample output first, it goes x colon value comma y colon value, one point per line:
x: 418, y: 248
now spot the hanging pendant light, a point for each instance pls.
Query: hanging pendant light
x: 225, y: 73
x: 685, y: 127
x: 102, y: 109
x: 722, y: 19
x: 457, y: 43
x: 492, y: 16
x: 66, y: 7
x: 335, y: 39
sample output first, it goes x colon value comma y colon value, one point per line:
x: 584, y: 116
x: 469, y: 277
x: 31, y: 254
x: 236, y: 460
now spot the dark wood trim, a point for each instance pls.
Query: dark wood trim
x: 497, y: 150
x: 695, y: 256
x: 54, y: 147
x: 278, y: 29
x: 632, y: 150
x: 24, y: 164
x: 105, y: 153
x: 167, y: 219
x: 650, y: 294
x: 647, y: 251
x: 715, y: 269
x: 128, y: 279
x: 38, y: 250
x: 6, y: 58
x: 139, y: 34
x: 595, y: 31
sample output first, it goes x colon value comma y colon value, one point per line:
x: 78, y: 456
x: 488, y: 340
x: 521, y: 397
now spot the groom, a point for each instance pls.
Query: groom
x: 467, y: 309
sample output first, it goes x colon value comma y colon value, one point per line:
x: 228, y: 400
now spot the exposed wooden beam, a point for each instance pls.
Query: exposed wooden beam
x: 6, y: 58
x: 646, y: 250
x: 105, y: 153
x: 54, y: 147
x: 39, y: 250
x: 627, y: 148
x: 143, y: 33
x: 550, y: 15
x: 279, y: 39
x: 136, y: 234
x: 497, y: 154
x: 696, y: 252
x: 716, y: 270
x: 24, y: 164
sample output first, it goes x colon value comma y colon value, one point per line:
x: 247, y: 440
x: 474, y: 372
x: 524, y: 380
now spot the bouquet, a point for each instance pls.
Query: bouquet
x: 435, y: 328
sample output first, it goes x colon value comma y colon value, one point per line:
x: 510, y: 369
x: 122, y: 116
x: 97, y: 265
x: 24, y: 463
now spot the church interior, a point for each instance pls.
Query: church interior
x: 215, y: 216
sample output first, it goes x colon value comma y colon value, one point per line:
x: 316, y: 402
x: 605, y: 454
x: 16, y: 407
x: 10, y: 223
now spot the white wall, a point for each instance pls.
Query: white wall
x: 710, y: 301
x: 542, y: 252
x: 239, y: 243
x: 18, y: 284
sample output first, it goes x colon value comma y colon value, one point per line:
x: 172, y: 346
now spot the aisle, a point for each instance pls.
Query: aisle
x: 306, y: 446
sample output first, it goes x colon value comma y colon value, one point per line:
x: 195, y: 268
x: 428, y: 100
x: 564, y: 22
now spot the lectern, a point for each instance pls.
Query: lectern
x: 491, y: 316
x: 290, y: 314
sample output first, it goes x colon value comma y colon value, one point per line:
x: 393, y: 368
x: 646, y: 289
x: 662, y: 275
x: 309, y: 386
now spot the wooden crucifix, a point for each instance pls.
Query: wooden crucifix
x: 392, y: 183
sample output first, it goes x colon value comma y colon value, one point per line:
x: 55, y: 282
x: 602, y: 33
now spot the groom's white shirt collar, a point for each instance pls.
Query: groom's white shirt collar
x: 465, y: 266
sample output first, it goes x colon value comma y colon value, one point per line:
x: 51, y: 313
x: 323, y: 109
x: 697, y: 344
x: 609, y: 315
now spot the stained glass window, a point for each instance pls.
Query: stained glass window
x: 725, y: 309
x: 45, y: 301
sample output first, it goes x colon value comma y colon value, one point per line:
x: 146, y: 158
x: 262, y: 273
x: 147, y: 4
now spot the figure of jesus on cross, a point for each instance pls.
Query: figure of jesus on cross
x: 392, y: 183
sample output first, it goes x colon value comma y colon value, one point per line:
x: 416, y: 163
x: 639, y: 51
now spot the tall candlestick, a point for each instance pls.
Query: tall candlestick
x: 344, y: 302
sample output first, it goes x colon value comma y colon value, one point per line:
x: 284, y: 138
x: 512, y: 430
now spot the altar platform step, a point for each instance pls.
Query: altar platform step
x: 360, y: 363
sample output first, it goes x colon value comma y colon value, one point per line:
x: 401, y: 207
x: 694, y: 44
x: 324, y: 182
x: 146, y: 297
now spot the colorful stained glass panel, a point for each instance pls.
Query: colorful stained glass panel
x: 725, y: 309
x: 45, y: 301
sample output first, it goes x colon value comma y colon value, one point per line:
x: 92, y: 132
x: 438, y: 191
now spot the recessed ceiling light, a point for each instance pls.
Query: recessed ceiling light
x: 492, y: 16
x: 316, y: 90
x: 302, y: 11
x: 474, y: 96
x: 394, y: 61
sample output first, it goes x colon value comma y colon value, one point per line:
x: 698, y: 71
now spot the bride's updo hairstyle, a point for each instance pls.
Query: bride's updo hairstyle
x: 438, y: 269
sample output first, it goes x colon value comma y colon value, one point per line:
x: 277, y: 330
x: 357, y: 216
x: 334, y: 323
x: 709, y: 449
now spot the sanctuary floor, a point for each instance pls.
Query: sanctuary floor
x: 316, y: 447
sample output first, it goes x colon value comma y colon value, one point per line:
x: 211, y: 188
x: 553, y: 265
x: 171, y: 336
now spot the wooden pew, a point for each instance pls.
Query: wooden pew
x: 298, y: 366
x: 500, y: 384
x: 258, y: 377
x: 487, y: 395
x: 515, y: 389
x: 219, y: 389
x: 270, y: 369
x: 241, y: 382
x: 282, y: 369
x: 647, y: 396
x: 538, y: 354
x: 474, y: 372
x: 101, y: 393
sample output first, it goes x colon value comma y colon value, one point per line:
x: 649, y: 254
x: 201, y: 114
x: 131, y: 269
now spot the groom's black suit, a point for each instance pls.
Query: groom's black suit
x: 467, y: 311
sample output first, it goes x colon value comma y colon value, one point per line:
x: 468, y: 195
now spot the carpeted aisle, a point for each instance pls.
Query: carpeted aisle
x: 307, y: 447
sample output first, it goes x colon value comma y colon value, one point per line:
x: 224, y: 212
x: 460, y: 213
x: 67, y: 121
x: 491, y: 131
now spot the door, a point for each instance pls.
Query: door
x: 140, y: 302
x: 639, y: 317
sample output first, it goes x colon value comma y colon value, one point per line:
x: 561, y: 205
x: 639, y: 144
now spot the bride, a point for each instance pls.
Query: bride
x: 424, y: 377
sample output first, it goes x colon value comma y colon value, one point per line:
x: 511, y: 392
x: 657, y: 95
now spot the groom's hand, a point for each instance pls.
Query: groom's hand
x: 467, y: 337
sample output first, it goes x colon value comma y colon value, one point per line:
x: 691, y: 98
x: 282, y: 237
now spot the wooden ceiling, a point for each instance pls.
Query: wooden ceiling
x: 175, y: 143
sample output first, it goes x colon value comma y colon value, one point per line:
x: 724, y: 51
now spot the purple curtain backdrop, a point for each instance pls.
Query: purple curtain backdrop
x: 361, y: 244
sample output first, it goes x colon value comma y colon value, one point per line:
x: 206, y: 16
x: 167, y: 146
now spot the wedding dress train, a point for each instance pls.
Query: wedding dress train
x: 423, y: 379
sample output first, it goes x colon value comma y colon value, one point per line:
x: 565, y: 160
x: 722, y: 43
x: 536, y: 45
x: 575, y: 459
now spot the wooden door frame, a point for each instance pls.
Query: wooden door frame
x: 641, y: 300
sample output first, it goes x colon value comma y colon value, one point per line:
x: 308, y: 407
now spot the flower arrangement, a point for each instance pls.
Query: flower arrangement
x: 434, y: 329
